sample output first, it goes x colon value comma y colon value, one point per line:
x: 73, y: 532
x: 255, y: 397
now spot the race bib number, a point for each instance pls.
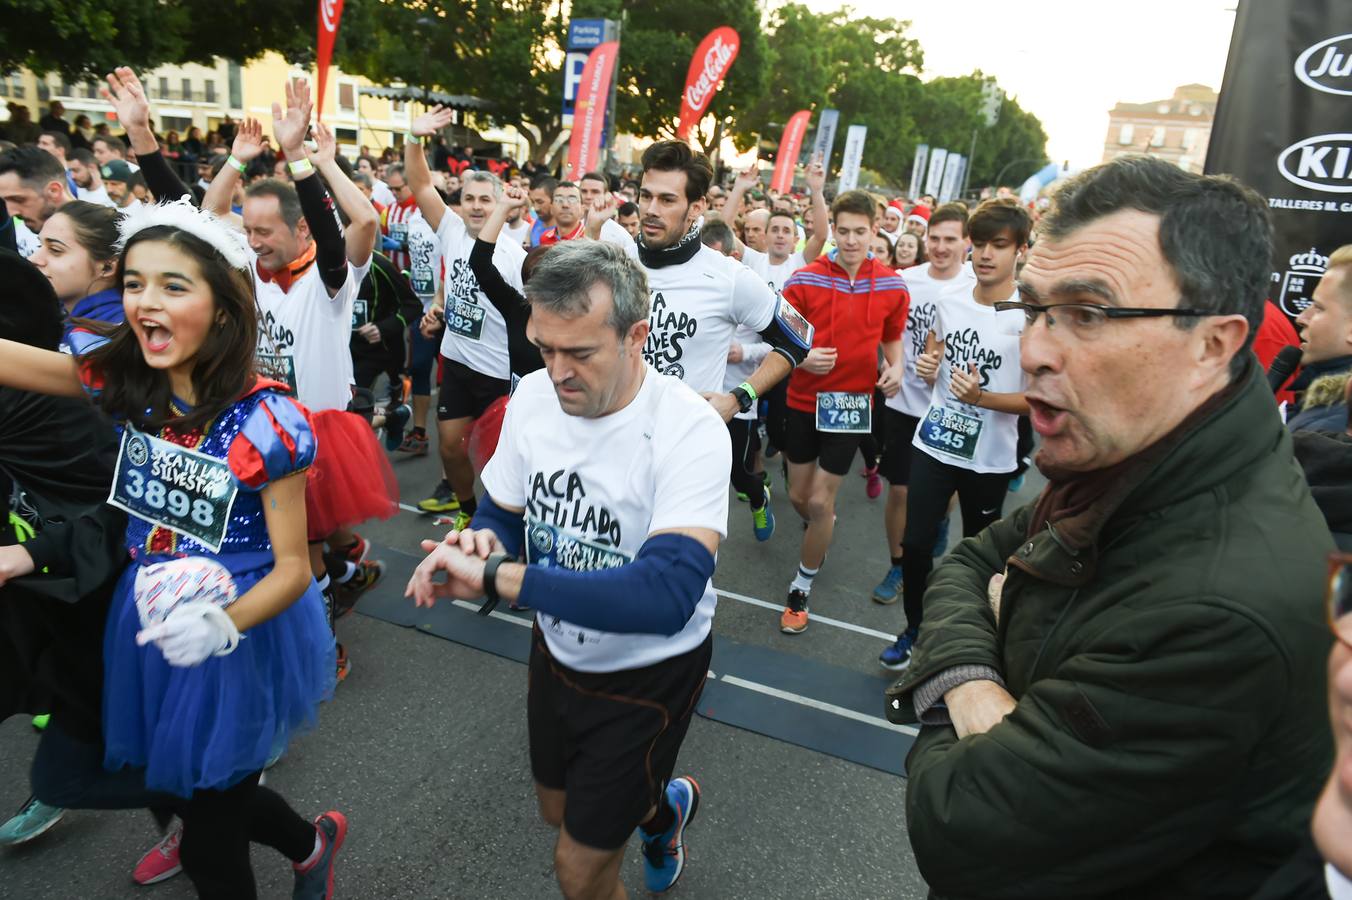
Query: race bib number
x: 466, y: 319
x: 399, y: 234
x: 553, y: 548
x: 279, y: 367
x: 794, y: 325
x: 360, y: 314
x: 950, y: 432
x: 174, y: 487
x: 423, y: 283
x: 843, y: 412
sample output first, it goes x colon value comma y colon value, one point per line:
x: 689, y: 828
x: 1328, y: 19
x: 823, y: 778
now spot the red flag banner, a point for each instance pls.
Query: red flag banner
x: 330, y: 11
x: 589, y: 110
x: 789, y: 146
x: 708, y: 67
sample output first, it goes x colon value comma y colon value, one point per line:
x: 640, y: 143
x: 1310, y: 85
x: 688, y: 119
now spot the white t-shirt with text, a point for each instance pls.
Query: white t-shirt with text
x: 476, y: 333
x: 593, y: 489
x: 914, y: 397
x: 773, y: 275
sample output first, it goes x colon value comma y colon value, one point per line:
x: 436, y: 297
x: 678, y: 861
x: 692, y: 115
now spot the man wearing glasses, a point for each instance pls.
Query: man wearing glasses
x: 1123, y: 683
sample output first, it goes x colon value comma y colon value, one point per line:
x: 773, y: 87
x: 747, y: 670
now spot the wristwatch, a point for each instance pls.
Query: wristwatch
x: 490, y: 581
x: 745, y: 395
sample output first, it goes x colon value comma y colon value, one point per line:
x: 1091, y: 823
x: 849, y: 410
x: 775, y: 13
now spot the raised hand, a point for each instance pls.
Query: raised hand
x: 290, y: 127
x: 432, y: 121
x: 602, y: 208
x: 326, y: 146
x: 748, y: 177
x: 129, y: 101
x: 514, y: 198
x: 248, y: 143
x: 816, y: 175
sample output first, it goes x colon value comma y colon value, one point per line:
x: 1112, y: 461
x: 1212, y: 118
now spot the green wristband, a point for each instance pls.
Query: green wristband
x: 746, y: 386
x: 411, y: 138
x: 235, y: 164
x: 300, y: 166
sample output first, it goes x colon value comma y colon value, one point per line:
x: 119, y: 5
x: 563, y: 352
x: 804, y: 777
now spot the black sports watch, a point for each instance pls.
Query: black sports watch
x: 490, y: 581
x: 744, y: 400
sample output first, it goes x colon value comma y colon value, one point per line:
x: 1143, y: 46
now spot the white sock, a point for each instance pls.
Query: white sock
x: 314, y: 854
x: 347, y: 573
x: 803, y: 580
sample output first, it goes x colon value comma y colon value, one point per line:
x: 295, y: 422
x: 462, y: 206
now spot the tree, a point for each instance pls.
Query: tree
x: 950, y: 112
x: 89, y: 38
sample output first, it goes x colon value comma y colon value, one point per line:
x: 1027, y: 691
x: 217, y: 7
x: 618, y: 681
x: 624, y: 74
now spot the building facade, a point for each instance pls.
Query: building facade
x: 1177, y: 129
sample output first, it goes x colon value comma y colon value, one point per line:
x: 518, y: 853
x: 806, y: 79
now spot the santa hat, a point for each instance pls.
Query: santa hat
x: 919, y: 213
x: 899, y: 207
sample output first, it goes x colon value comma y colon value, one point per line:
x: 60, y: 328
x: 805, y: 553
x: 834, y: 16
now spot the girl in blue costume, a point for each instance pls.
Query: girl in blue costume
x: 216, y: 649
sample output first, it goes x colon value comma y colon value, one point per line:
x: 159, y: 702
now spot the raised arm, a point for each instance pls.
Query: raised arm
x: 746, y: 180
x: 430, y: 204
x: 248, y: 145
x: 290, y: 128
x: 362, y: 220
x: 124, y: 91
x: 821, y: 216
x: 40, y: 371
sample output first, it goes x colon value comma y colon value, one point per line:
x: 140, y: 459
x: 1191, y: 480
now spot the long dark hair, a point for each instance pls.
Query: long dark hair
x: 224, y: 366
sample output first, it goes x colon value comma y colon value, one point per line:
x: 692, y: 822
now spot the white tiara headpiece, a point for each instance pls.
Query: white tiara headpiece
x: 183, y: 215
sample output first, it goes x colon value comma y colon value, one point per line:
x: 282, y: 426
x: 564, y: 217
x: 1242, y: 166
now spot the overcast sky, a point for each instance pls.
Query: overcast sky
x: 1068, y: 61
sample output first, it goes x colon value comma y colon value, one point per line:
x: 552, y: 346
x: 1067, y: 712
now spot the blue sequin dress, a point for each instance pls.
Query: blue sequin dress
x: 211, y: 725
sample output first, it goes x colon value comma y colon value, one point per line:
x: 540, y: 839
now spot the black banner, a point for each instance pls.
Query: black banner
x: 1284, y: 127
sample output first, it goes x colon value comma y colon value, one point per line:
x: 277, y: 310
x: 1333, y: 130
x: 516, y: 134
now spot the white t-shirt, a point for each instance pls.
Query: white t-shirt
x: 304, y: 335
x: 24, y: 239
x: 594, y: 489
x: 381, y: 193
x: 696, y: 307
x: 99, y: 196
x: 476, y: 333
x: 773, y: 275
x: 518, y: 233
x: 424, y: 255
x: 971, y: 437
x: 914, y: 397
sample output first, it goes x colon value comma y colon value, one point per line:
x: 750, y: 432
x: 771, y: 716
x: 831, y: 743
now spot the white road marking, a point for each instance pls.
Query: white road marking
x: 815, y: 704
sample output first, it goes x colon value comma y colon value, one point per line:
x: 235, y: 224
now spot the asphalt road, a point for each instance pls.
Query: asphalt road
x: 424, y: 749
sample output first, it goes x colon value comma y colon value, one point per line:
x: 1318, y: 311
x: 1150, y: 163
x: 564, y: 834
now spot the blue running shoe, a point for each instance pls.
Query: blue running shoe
x: 664, y: 854
x: 396, y: 418
x: 1015, y: 484
x: 33, y: 819
x: 898, y: 656
x: 889, y: 589
x: 763, y: 520
x: 314, y: 879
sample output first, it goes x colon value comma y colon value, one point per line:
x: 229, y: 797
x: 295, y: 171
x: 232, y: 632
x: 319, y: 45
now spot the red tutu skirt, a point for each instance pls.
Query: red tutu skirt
x: 350, y: 480
x: 482, y: 438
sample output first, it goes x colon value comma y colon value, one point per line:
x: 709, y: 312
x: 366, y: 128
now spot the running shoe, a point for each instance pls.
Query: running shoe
x: 897, y: 656
x: 889, y: 589
x: 350, y: 591
x: 161, y: 861
x: 743, y: 498
x: 462, y: 521
x: 40, y: 721
x: 873, y: 487
x: 664, y: 854
x: 414, y: 444
x: 443, y: 499
x: 32, y: 820
x: 1016, y: 483
x: 794, y: 618
x: 763, y: 520
x: 396, y: 419
x: 344, y: 664
x: 314, y: 878
x: 355, y: 553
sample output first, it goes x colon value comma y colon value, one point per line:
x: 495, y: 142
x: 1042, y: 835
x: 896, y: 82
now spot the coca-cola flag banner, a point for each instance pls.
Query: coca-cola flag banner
x: 708, y: 67
x: 1284, y: 128
x: 825, y: 141
x: 589, y: 111
x: 917, y: 187
x: 330, y: 11
x: 851, y: 158
x: 789, y: 145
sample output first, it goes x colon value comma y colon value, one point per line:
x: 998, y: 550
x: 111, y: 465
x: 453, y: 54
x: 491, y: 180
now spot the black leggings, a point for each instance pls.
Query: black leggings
x: 745, y: 444
x: 981, y: 498
x: 217, y: 825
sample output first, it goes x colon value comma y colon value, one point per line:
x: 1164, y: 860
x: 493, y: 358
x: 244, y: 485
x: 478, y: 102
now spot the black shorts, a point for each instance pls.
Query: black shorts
x: 465, y: 393
x: 832, y: 451
x: 899, y: 431
x: 609, y: 739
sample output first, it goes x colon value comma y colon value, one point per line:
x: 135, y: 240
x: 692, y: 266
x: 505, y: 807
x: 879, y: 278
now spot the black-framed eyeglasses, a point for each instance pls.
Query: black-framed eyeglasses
x: 1086, y: 319
x: 1338, y: 596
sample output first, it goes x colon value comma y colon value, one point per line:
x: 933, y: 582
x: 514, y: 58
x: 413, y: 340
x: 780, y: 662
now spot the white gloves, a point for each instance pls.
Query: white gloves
x: 191, y: 632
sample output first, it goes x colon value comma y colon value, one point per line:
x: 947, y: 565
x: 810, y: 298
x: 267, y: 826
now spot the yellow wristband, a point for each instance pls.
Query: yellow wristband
x: 300, y: 167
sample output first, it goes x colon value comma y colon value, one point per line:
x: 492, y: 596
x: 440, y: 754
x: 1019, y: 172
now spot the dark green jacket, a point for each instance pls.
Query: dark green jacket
x: 1171, y: 732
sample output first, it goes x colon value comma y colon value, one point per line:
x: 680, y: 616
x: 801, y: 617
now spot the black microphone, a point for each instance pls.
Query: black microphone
x: 1286, y: 362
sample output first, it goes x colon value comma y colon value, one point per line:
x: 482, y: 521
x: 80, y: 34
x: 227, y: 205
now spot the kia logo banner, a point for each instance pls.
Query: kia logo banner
x: 1284, y: 128
x: 708, y: 67
x: 330, y: 12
